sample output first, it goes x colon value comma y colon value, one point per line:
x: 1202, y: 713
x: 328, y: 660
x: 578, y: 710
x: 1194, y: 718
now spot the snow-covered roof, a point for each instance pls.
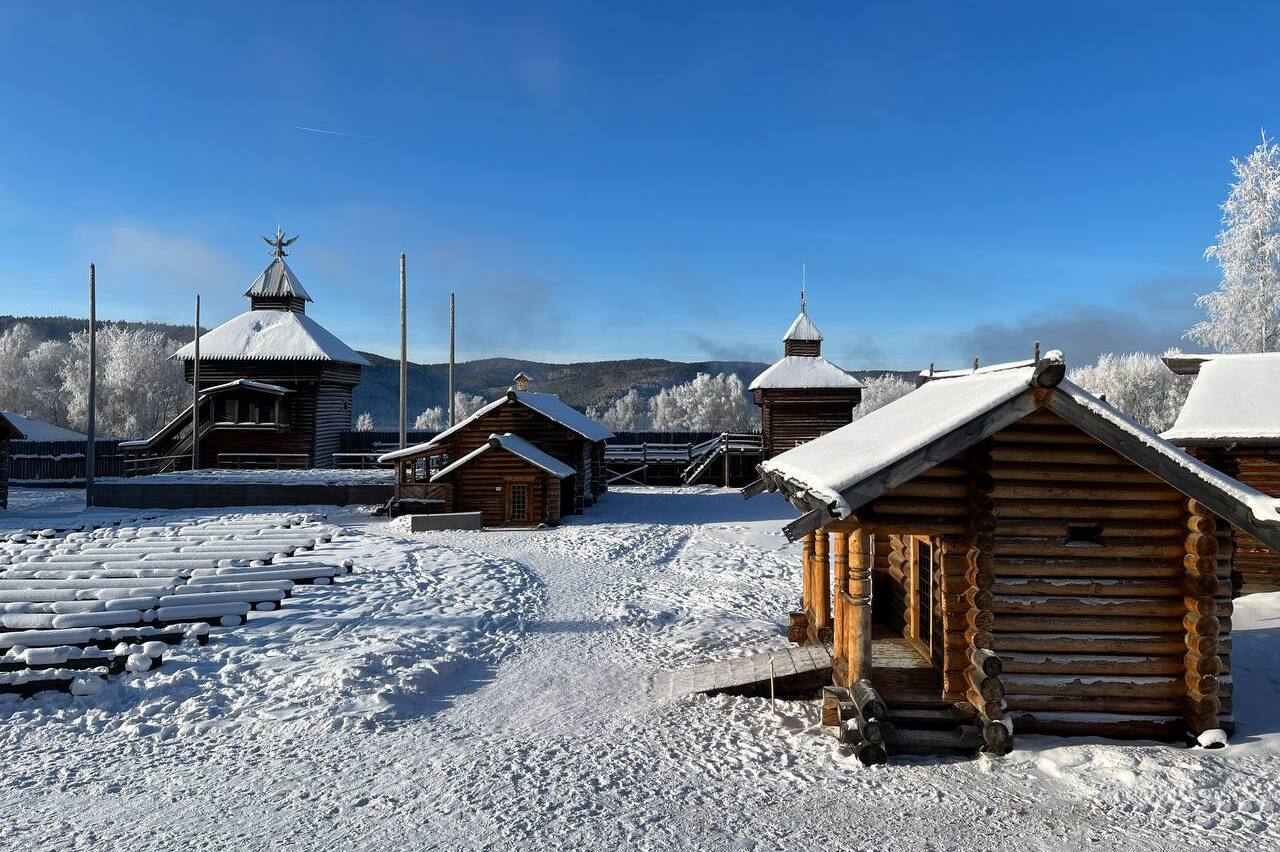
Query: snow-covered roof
x: 837, y: 473
x: 277, y: 280
x: 804, y: 371
x: 8, y: 430
x: 1234, y: 399
x: 38, y: 430
x: 267, y: 335
x: 802, y: 329
x: 547, y: 404
x: 517, y: 446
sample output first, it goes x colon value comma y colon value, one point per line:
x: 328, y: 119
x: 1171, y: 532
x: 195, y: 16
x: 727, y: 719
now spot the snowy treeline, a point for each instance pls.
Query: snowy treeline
x: 1138, y: 384
x: 880, y: 391
x: 364, y: 423
x: 1242, y: 312
x: 705, y: 404
x: 436, y: 418
x: 139, y: 388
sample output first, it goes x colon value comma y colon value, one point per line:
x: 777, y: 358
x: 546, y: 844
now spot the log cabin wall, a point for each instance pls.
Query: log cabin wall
x: 1088, y: 591
x: 791, y: 417
x: 482, y: 485
x: 1256, y: 566
x: 1091, y: 579
x: 332, y: 418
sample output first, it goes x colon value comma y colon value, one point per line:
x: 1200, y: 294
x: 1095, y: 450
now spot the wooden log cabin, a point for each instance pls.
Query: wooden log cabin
x: 509, y: 481
x: 1000, y: 551
x: 802, y: 395
x: 1231, y: 421
x: 8, y: 432
x: 433, y: 470
x: 275, y: 385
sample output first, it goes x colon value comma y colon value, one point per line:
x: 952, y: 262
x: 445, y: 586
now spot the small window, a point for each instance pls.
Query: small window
x: 1084, y: 535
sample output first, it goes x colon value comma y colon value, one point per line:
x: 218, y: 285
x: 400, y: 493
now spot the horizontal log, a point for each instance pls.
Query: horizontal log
x: 1089, y: 587
x: 1026, y: 528
x: 1076, y: 643
x: 1200, y: 606
x: 1026, y: 490
x: 1111, y: 549
x: 1202, y: 664
x: 1030, y: 453
x: 1084, y: 624
x: 1086, y: 704
x: 1201, y: 625
x: 1110, y: 664
x: 1009, y: 566
x: 987, y: 708
x: 956, y: 489
x: 1056, y: 436
x: 1200, y: 585
x: 987, y: 686
x: 1198, y: 685
x: 1108, y: 474
x: 1088, y: 606
x: 986, y: 661
x: 1086, y: 511
x: 979, y: 639
x: 1112, y: 725
x: 1094, y: 685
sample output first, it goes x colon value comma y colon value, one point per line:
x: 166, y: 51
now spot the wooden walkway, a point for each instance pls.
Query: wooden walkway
x: 797, y: 670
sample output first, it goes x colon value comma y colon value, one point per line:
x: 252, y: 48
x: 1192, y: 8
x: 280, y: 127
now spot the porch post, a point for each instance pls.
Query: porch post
x: 859, y: 608
x: 806, y: 562
x: 822, y: 587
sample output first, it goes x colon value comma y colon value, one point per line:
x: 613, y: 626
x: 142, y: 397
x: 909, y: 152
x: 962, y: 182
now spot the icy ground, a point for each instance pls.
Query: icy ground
x: 491, y: 690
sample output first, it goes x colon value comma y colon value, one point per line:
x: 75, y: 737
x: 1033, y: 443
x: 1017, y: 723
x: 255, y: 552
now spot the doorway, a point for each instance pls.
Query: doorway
x: 519, y: 507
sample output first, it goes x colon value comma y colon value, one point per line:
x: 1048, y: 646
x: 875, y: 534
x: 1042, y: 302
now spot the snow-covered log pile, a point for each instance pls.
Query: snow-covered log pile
x: 77, y: 607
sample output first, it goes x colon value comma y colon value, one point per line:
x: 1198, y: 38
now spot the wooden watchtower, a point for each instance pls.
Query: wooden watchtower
x: 803, y: 395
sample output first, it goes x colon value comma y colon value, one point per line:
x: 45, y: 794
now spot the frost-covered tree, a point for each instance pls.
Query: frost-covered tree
x: 431, y: 420
x: 1138, y: 384
x: 707, y: 403
x: 140, y: 388
x: 466, y: 404
x: 880, y: 391
x: 42, y: 372
x: 364, y: 423
x: 1242, y: 312
x: 628, y: 413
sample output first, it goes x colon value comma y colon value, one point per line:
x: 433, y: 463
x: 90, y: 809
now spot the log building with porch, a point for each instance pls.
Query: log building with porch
x: 802, y: 395
x: 1000, y: 551
x: 487, y: 462
x: 275, y: 386
x: 1231, y: 421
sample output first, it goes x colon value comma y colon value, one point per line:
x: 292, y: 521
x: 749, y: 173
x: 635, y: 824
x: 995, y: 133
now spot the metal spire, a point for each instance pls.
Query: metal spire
x: 279, y: 244
x: 802, y: 288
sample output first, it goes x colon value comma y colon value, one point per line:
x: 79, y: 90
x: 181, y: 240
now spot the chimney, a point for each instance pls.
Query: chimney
x: 522, y: 382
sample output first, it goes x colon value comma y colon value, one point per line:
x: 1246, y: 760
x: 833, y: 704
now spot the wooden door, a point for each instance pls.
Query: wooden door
x: 519, y: 503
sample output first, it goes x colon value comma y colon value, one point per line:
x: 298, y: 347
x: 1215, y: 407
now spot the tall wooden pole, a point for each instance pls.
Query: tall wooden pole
x: 195, y: 392
x: 91, y: 443
x: 452, y: 304
x: 404, y: 355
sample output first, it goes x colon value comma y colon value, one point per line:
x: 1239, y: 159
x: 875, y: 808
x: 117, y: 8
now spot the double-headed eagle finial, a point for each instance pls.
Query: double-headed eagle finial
x: 279, y: 243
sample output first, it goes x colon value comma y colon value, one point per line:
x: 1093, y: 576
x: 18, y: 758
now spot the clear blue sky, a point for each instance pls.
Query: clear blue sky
x: 598, y: 181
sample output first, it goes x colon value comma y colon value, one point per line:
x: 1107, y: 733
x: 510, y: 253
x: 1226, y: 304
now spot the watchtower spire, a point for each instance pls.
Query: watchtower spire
x: 802, y: 288
x: 279, y: 243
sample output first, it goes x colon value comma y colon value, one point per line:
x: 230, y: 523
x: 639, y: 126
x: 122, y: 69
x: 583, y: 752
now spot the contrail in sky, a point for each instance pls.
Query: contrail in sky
x: 328, y: 132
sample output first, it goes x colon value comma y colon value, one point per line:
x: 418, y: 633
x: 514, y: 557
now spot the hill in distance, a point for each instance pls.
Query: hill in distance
x: 582, y: 384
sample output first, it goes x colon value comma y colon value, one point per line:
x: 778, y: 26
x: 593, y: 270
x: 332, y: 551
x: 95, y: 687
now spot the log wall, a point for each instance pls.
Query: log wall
x: 1256, y: 566
x: 1091, y: 635
x: 4, y: 472
x: 791, y: 417
x: 482, y: 486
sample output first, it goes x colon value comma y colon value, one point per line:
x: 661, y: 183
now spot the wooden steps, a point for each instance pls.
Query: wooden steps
x: 796, y: 672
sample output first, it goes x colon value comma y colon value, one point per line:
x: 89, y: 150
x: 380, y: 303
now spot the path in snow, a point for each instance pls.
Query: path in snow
x: 491, y: 690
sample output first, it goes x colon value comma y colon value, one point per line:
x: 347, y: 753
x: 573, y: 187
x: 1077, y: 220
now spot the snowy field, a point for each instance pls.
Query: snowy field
x: 486, y: 690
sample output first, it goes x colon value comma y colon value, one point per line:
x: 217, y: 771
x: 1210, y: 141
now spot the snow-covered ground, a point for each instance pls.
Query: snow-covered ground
x: 474, y: 690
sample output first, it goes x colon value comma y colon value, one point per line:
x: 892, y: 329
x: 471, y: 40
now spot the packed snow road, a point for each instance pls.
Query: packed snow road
x: 492, y: 690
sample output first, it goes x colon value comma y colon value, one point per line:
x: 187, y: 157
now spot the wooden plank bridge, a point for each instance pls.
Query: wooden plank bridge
x: 727, y: 457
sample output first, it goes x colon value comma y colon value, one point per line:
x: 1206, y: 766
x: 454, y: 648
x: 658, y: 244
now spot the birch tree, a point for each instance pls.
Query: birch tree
x: 364, y: 423
x: 705, y: 404
x: 879, y: 392
x: 431, y: 420
x: 628, y: 413
x: 1138, y: 384
x: 1241, y: 313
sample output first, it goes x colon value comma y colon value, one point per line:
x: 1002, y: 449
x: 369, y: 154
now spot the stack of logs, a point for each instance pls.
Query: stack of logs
x: 858, y: 716
x: 984, y: 688
x: 1200, y: 586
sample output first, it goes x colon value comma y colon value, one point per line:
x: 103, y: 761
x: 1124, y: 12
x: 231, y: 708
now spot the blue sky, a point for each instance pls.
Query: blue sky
x: 602, y: 180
